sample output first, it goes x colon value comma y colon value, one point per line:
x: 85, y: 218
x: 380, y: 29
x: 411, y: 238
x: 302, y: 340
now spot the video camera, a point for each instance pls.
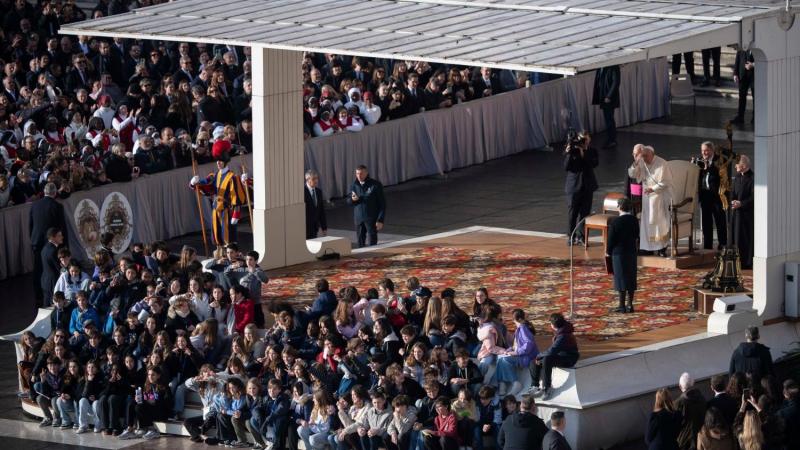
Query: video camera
x: 574, y: 140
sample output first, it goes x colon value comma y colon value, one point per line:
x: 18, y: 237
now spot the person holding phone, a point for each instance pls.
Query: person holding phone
x: 369, y: 206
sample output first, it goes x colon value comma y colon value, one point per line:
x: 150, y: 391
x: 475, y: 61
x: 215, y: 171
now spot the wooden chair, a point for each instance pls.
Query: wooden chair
x: 600, y: 221
x: 685, y: 177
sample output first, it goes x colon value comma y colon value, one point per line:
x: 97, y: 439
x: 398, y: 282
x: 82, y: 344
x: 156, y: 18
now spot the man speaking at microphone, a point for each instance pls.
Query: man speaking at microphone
x: 369, y: 206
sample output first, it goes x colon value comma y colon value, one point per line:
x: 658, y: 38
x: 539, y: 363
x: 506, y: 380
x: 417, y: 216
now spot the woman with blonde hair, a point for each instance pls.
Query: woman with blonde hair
x: 432, y: 325
x: 664, y: 423
x: 316, y: 429
x: 750, y: 437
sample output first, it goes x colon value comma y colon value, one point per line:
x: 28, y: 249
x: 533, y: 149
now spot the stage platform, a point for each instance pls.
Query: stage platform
x: 491, y: 241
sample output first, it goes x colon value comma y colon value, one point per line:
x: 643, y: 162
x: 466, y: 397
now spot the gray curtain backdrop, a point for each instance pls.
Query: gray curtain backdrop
x: 163, y: 206
x: 424, y: 144
x: 438, y: 141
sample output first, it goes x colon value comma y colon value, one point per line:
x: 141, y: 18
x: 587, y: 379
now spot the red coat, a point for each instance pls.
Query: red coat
x: 446, y: 427
x: 244, y: 313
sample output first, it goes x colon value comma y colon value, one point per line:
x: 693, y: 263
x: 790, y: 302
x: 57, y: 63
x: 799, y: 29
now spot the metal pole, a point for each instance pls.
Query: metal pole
x: 572, y: 267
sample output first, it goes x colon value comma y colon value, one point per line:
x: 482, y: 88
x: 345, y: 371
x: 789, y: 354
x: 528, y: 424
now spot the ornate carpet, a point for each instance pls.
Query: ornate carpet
x: 539, y: 286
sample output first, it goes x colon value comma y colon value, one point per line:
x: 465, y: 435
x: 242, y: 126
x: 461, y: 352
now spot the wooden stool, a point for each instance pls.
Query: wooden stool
x: 596, y: 222
x: 704, y: 299
x: 600, y: 221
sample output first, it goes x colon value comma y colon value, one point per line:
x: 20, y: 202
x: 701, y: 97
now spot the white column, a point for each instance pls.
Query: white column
x: 278, y: 210
x: 777, y: 161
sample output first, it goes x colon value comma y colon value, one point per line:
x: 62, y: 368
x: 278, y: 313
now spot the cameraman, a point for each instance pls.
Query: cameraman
x: 580, y: 159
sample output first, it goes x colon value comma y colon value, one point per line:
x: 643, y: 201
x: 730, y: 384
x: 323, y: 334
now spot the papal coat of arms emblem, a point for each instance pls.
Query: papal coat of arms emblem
x: 87, y: 223
x: 116, y: 217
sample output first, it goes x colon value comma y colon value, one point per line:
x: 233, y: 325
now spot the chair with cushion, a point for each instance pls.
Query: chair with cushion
x: 600, y: 221
x: 680, y: 86
x: 685, y: 176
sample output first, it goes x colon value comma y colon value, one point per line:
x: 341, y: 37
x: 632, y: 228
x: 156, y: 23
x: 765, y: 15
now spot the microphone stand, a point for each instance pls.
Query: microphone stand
x: 572, y: 314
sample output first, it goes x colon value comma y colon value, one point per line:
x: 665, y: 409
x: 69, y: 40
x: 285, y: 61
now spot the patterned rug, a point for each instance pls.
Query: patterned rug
x: 539, y: 286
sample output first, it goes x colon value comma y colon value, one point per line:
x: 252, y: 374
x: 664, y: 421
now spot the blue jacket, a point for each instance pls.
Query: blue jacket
x: 78, y: 318
x: 275, y: 414
x: 324, y: 305
x: 371, y: 204
x: 228, y: 405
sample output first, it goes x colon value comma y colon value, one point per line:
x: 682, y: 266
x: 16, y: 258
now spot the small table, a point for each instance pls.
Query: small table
x: 704, y: 299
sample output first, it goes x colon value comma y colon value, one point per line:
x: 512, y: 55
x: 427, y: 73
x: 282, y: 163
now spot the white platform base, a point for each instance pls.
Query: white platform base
x: 733, y: 322
x: 326, y: 244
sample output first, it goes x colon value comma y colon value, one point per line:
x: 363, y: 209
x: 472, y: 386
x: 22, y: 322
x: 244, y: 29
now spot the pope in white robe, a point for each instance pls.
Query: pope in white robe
x: 656, y: 178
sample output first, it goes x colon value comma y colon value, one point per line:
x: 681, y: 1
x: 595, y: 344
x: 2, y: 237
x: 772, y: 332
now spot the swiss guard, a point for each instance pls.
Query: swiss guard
x: 226, y: 188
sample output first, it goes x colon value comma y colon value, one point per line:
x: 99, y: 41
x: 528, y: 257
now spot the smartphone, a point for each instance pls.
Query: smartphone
x: 747, y: 393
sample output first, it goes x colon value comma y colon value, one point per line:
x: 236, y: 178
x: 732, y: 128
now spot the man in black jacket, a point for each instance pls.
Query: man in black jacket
x: 415, y: 95
x: 743, y: 215
x: 369, y: 206
x: 51, y: 266
x: 606, y: 96
x: 580, y: 159
x: 44, y: 214
x: 523, y: 430
x: 726, y: 404
x: 751, y: 357
x: 743, y: 72
x: 710, y: 201
x: 316, y: 223
x: 554, y: 439
x: 692, y: 406
x: 486, y: 84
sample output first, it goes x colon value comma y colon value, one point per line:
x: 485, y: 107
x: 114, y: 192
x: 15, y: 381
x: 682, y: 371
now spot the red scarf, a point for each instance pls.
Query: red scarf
x: 325, y: 126
x: 125, y: 134
x: 58, y: 139
x: 105, y: 143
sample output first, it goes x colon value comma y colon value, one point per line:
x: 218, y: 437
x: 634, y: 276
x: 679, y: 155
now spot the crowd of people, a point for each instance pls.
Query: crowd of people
x: 82, y: 112
x: 353, y: 370
x: 395, y: 368
x: 749, y: 409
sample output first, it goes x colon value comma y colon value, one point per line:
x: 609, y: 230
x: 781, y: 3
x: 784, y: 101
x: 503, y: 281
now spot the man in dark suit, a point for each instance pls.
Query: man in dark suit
x: 79, y: 77
x: 743, y: 71
x: 51, y: 266
x: 606, y: 95
x: 623, y: 232
x: 710, y: 201
x: 415, y: 95
x: 580, y: 159
x: 726, y: 404
x: 316, y: 223
x: 554, y: 439
x: 743, y: 215
x: 44, y: 214
x: 486, y: 84
x: 369, y: 206
x: 523, y: 430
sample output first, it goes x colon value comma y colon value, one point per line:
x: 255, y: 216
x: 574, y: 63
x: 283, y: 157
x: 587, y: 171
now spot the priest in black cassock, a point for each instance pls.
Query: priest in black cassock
x: 743, y: 218
x: 623, y: 232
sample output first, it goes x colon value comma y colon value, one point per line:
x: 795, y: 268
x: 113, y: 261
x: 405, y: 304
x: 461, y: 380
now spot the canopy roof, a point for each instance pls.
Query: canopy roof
x: 556, y: 36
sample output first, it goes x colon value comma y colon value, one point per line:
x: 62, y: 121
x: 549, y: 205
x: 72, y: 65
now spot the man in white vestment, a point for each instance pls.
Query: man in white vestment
x: 656, y: 178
